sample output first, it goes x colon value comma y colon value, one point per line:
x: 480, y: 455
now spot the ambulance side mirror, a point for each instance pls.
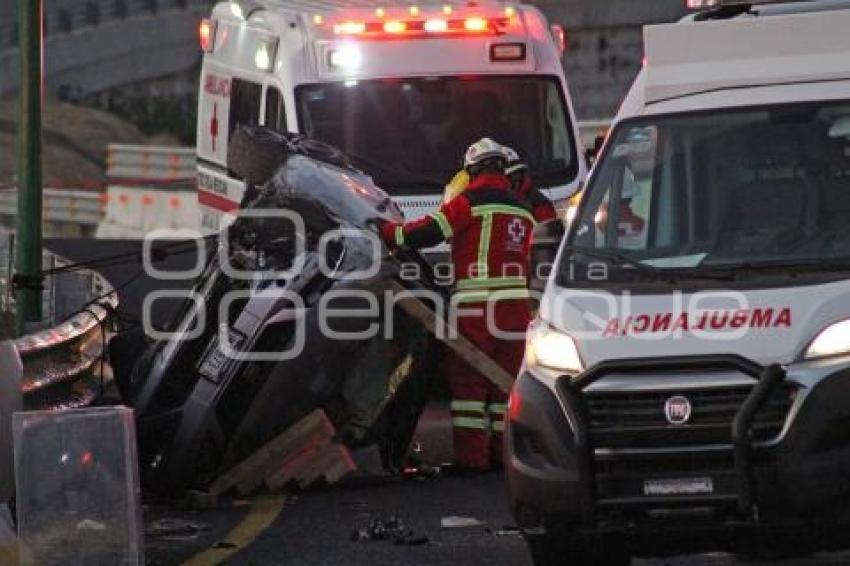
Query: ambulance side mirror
x: 544, y: 247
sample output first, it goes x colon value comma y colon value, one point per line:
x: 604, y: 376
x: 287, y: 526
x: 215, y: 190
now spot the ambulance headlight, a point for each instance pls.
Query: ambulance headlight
x: 346, y: 57
x: 550, y: 348
x: 832, y: 341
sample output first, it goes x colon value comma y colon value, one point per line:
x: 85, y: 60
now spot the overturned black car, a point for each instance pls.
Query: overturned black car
x: 288, y: 316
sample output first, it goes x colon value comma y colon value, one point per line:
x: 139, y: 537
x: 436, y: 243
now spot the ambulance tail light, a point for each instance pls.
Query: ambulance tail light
x: 206, y: 35
x: 508, y: 52
x: 559, y: 34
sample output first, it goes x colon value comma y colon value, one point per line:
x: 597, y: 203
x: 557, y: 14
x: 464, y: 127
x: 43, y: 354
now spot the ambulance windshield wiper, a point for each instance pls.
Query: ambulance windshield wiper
x: 790, y: 265
x: 651, y: 272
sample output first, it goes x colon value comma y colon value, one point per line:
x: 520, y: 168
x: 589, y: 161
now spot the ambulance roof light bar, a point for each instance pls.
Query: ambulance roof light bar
x: 413, y: 21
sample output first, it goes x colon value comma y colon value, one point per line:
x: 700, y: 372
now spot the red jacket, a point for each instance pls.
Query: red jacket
x: 540, y: 205
x: 490, y: 233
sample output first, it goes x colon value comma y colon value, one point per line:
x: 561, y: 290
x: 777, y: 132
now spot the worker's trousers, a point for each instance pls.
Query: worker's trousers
x: 478, y: 406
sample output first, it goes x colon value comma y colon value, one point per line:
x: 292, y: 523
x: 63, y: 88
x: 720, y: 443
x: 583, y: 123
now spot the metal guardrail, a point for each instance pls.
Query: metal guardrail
x: 63, y: 367
x: 137, y: 163
x: 62, y: 364
x: 60, y: 205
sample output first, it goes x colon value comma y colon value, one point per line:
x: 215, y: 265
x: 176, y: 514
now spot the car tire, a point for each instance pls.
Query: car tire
x: 558, y: 550
x: 255, y: 154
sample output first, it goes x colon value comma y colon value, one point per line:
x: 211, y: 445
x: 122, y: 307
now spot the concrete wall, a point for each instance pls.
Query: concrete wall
x: 605, y: 46
x: 155, y: 52
x: 114, y: 54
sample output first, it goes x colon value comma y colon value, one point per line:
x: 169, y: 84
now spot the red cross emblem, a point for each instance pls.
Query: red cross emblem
x: 516, y: 230
x: 214, y: 125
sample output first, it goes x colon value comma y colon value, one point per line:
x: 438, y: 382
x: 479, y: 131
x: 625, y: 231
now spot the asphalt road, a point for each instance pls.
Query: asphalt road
x: 316, y: 528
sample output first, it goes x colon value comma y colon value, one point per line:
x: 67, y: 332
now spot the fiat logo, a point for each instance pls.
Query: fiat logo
x: 677, y: 409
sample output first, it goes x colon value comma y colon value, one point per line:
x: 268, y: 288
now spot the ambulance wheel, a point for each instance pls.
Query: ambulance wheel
x: 256, y: 153
x: 555, y: 550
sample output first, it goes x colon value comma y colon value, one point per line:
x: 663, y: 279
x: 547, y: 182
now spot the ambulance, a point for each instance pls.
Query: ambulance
x: 686, y: 385
x: 401, y: 89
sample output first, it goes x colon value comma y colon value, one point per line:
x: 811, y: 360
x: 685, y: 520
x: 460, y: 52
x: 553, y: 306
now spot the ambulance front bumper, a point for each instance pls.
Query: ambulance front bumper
x: 782, y: 458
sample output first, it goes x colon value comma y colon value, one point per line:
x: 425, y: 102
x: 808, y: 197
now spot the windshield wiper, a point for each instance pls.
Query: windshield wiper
x: 655, y: 273
x: 807, y: 264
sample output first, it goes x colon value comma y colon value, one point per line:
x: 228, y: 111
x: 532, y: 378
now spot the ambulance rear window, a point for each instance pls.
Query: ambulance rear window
x: 245, y: 99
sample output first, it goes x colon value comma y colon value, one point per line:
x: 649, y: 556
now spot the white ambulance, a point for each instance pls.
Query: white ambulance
x: 401, y: 89
x: 687, y: 383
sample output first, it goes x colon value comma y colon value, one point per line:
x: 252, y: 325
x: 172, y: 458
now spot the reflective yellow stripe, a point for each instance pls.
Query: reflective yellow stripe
x: 491, y: 283
x: 497, y: 408
x: 490, y: 209
x: 470, y: 422
x: 484, y: 246
x: 399, y: 235
x: 498, y: 426
x: 487, y: 294
x: 443, y: 223
x: 468, y: 406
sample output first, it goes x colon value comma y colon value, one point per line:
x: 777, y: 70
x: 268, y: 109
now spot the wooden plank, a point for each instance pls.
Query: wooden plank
x: 295, y: 443
x: 252, y: 466
x: 297, y: 461
x: 325, y: 461
x: 343, y: 466
x: 459, y: 344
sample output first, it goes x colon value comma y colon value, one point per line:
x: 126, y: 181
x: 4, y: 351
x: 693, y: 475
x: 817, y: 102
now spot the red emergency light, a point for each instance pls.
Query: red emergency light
x: 206, y: 34
x: 560, y: 36
x: 395, y: 26
x: 430, y: 27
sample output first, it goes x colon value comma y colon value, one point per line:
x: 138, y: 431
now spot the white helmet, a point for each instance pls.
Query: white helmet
x: 482, y: 150
x: 514, y: 162
x: 510, y: 154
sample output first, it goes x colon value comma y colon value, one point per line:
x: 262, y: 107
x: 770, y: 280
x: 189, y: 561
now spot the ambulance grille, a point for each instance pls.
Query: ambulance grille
x: 636, y: 419
x: 635, y: 445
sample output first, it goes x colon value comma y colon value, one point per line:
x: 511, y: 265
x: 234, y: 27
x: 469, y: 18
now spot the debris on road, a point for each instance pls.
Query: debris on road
x: 175, y: 529
x: 508, y: 531
x: 459, y: 522
x: 391, y: 529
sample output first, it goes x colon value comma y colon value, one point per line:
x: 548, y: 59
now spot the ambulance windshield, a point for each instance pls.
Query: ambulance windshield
x: 410, y: 134
x: 744, y: 188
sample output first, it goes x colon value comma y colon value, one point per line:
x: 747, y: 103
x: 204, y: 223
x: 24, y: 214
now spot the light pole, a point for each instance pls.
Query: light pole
x: 28, y: 279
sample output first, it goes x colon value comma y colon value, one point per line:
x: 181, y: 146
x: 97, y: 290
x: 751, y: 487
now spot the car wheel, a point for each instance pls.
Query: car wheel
x: 558, y: 550
x: 256, y: 153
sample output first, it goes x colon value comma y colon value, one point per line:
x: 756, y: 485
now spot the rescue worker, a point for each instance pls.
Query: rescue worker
x: 490, y: 233
x: 523, y: 187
